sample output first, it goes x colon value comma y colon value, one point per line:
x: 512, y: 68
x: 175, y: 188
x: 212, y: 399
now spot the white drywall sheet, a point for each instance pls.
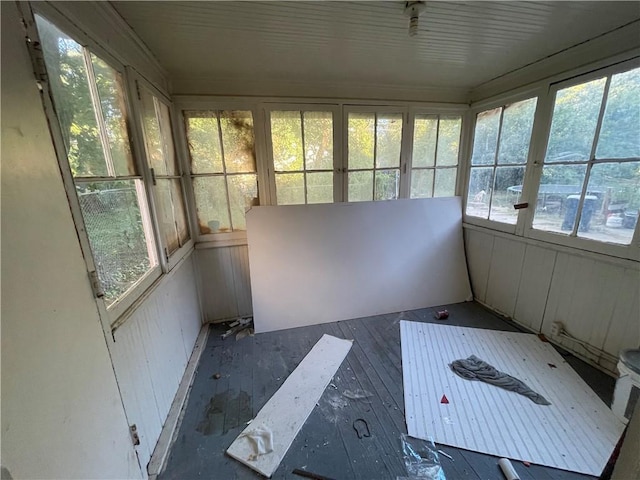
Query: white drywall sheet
x: 577, y: 432
x: 288, y: 409
x: 313, y: 264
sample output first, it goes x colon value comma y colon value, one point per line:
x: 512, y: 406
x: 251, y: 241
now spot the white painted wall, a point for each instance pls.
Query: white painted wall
x: 537, y: 283
x: 151, y: 351
x: 62, y: 416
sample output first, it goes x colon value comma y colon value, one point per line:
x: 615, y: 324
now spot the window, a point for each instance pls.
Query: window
x: 302, y: 151
x: 223, y: 167
x: 165, y: 171
x: 89, y: 100
x: 374, y: 145
x: 592, y: 163
x: 498, y: 161
x: 434, y: 163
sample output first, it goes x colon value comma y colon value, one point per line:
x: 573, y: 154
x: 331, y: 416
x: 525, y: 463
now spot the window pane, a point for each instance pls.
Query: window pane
x: 575, y: 115
x: 517, y: 123
x: 620, y: 132
x: 167, y: 139
x: 203, y: 138
x: 286, y: 138
x: 111, y: 93
x: 243, y: 190
x: 504, y: 196
x: 387, y: 184
x: 318, y: 141
x: 179, y: 211
x: 560, y: 186
x: 360, y: 186
x: 424, y: 141
x: 211, y: 204
x: 121, y: 248
x: 480, y: 182
x: 320, y: 187
x: 448, y: 141
x: 290, y: 188
x: 610, y: 210
x: 445, y: 182
x: 164, y: 211
x: 70, y: 89
x: 152, y: 134
x: 388, y: 140
x: 421, y: 183
x: 486, y: 137
x: 361, y: 140
x: 238, y: 141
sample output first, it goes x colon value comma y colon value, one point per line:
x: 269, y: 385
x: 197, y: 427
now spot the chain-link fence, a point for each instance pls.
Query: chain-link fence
x: 114, y: 226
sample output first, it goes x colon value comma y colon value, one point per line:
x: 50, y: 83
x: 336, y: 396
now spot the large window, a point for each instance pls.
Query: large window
x: 89, y: 100
x: 302, y: 152
x: 223, y: 167
x: 498, y: 161
x: 591, y: 167
x: 373, y: 162
x: 434, y: 161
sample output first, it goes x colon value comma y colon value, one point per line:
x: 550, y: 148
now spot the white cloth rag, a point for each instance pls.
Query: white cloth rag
x: 261, y: 440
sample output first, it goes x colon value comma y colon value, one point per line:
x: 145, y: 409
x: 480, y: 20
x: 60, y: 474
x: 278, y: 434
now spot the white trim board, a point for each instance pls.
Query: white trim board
x: 286, y: 412
x: 577, y: 432
x: 314, y: 264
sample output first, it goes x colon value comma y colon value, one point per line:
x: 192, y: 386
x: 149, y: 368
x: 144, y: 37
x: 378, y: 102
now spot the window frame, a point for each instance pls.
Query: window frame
x: 630, y: 251
x: 136, y: 82
x: 439, y: 112
x: 118, y: 312
x: 502, y: 101
x: 182, y: 104
x: 404, y: 146
x: 334, y: 108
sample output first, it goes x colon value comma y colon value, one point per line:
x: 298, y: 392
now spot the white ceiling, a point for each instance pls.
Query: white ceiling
x: 459, y: 45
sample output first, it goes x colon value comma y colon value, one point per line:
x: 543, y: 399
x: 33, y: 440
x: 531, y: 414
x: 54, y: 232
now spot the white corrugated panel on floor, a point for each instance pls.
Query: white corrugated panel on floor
x: 577, y: 432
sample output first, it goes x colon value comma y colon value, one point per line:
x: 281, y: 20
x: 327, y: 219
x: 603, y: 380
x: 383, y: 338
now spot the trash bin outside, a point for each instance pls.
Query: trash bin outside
x: 590, y: 202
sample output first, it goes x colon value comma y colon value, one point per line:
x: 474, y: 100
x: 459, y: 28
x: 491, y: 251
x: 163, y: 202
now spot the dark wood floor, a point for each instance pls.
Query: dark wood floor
x: 253, y: 368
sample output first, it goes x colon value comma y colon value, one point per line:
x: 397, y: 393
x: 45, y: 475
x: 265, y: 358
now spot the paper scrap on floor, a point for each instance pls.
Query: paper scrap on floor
x: 264, y: 443
x: 577, y: 432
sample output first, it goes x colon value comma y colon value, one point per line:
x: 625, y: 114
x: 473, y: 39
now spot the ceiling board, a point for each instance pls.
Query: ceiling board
x: 459, y: 45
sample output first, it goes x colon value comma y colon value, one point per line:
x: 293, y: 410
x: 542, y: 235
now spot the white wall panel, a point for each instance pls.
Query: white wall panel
x: 327, y: 262
x: 479, y: 247
x: 594, y: 297
x: 534, y: 286
x: 223, y: 273
x: 504, y: 275
x: 151, y: 352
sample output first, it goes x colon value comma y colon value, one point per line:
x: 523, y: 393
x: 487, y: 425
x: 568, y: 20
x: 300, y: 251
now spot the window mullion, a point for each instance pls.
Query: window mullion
x: 97, y: 108
x: 304, y: 156
x: 435, y: 158
x: 592, y: 156
x: 375, y: 156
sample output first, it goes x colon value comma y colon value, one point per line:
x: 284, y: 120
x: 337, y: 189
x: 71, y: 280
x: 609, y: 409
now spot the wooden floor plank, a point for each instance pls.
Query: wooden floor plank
x: 327, y: 443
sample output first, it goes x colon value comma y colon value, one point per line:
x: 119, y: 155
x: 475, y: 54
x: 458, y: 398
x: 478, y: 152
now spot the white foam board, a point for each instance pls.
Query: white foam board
x: 285, y: 413
x: 313, y: 264
x: 577, y: 432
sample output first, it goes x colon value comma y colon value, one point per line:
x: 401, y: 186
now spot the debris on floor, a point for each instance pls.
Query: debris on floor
x: 441, y: 315
x: 238, y: 325
x: 421, y: 459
